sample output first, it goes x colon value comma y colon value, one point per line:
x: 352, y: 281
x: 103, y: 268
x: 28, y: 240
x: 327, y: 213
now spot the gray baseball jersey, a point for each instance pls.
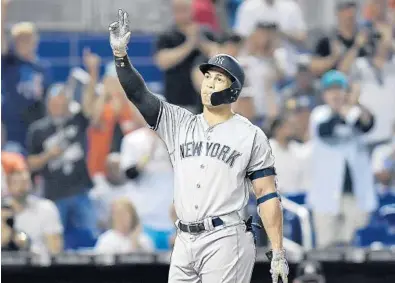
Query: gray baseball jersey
x: 211, y: 164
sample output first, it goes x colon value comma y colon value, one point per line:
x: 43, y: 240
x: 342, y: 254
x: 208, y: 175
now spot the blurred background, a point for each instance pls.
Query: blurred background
x: 69, y: 134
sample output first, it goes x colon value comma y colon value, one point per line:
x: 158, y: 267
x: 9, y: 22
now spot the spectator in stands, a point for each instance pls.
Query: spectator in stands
x: 24, y: 79
x: 264, y: 63
x: 112, y: 108
x: 289, y: 164
x: 56, y: 146
x: 37, y: 217
x: 303, y: 90
x: 340, y: 48
x: 299, y: 99
x: 126, y: 234
x: 10, y: 162
x: 377, y: 11
x: 286, y: 14
x: 374, y: 77
x: 204, y: 13
x: 383, y: 159
x: 342, y: 192
x: 176, y: 51
x: 230, y: 44
x: 109, y: 187
x: 145, y: 160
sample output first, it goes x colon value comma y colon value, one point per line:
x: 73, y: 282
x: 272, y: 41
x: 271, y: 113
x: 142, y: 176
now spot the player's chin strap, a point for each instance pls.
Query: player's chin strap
x: 225, y: 96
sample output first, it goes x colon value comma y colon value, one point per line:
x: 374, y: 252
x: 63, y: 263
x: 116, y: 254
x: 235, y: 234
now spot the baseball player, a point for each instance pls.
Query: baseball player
x: 216, y: 157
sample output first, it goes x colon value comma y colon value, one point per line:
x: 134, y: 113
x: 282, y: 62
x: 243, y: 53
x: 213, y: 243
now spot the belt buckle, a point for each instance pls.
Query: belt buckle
x: 193, y: 228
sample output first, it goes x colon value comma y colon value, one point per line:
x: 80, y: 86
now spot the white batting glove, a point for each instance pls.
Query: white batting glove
x: 120, y: 34
x: 279, y: 267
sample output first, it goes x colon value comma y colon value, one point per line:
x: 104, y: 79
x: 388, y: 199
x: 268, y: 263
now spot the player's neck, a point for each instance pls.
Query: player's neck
x: 214, y: 116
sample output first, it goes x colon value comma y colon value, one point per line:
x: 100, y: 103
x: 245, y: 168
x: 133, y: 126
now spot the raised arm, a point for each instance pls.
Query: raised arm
x: 132, y: 82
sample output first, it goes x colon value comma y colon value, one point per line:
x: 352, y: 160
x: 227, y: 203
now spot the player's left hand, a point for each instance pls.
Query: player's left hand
x: 279, y: 267
x: 120, y: 34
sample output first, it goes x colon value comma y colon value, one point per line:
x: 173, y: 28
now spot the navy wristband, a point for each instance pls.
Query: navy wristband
x: 266, y: 198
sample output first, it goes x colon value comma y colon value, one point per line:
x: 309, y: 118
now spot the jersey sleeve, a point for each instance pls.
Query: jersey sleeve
x: 170, y: 119
x: 262, y: 160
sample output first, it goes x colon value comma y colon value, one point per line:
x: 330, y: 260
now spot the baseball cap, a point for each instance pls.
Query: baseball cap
x: 334, y: 78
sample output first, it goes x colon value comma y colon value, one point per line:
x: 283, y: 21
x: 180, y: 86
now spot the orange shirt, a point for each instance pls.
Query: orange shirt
x: 100, y: 137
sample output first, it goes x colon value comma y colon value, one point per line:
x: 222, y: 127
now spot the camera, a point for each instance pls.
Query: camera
x: 18, y: 241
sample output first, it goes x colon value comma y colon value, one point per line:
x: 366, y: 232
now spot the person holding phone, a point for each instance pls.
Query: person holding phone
x: 56, y: 151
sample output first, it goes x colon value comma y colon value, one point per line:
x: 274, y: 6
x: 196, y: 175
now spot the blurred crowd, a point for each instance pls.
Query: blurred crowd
x: 80, y: 170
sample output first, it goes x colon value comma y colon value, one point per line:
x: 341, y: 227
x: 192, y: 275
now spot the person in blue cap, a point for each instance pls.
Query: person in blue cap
x: 342, y: 190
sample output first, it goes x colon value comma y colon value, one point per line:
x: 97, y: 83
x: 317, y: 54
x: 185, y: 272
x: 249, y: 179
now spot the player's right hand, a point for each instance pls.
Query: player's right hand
x: 120, y: 34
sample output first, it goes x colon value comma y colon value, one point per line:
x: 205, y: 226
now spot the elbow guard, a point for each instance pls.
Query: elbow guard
x: 132, y: 173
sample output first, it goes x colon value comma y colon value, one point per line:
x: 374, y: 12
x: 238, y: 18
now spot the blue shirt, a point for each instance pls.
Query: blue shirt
x: 22, y: 95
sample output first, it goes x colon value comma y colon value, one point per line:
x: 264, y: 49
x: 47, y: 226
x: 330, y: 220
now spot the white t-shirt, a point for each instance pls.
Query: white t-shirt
x: 256, y: 70
x: 39, y: 218
x: 152, y: 193
x: 113, y: 242
x: 286, y: 13
x: 289, y: 167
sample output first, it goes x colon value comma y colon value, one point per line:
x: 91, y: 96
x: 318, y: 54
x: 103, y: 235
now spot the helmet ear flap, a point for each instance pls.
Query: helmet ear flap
x: 226, y: 96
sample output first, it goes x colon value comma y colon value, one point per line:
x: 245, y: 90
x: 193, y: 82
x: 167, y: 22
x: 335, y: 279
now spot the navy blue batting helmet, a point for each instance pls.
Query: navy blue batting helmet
x: 231, y: 67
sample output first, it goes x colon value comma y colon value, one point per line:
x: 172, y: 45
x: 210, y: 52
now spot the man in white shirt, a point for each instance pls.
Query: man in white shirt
x: 286, y: 13
x: 341, y: 193
x: 374, y: 77
x: 146, y: 163
x: 265, y: 64
x: 289, y: 160
x: 37, y: 217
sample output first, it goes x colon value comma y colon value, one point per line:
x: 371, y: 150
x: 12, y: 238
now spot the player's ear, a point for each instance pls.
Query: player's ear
x: 228, y: 82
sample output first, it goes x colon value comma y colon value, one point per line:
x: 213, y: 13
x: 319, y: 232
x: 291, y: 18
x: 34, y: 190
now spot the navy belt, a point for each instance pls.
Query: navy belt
x: 198, y: 227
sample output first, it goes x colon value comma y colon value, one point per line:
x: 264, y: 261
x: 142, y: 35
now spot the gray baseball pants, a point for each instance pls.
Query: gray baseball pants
x: 224, y: 255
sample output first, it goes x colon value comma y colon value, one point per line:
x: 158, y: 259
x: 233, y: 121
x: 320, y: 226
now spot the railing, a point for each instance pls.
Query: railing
x: 304, y: 216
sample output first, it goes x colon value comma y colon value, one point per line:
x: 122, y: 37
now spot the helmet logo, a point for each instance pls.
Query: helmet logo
x: 219, y: 60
